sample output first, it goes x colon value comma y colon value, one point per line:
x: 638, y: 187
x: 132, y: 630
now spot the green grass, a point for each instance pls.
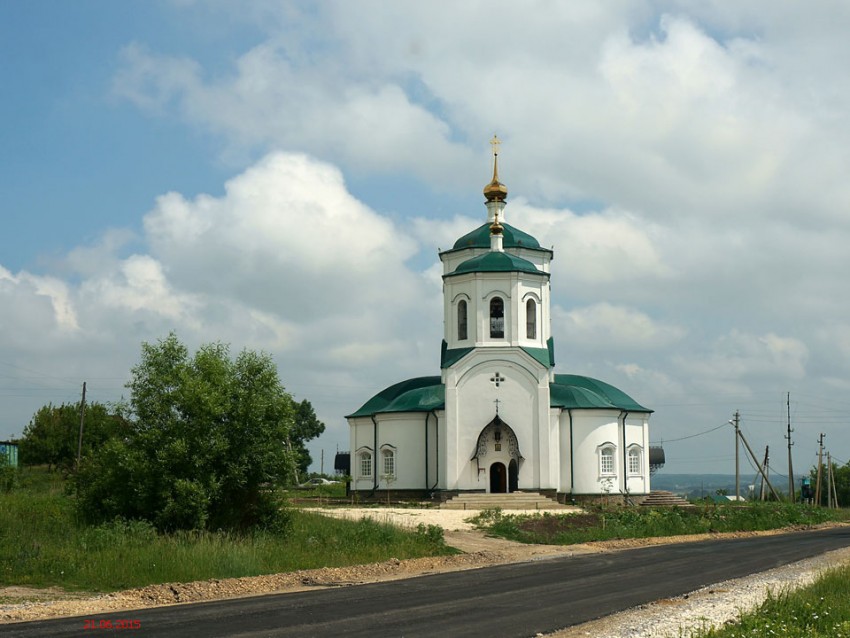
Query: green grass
x: 41, y: 545
x: 821, y: 610
x: 598, y: 524
x: 318, y: 495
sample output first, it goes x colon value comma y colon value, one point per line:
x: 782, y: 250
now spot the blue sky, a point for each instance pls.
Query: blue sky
x: 279, y: 176
x: 76, y: 159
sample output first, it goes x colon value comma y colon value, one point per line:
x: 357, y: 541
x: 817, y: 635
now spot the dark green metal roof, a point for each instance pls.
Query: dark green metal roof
x: 541, y: 355
x: 494, y: 261
x: 424, y: 394
x: 575, y: 391
x: 512, y: 238
x: 421, y: 394
x: 451, y: 356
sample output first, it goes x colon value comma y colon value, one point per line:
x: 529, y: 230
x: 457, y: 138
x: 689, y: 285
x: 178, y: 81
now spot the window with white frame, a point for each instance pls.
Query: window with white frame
x: 365, y: 464
x: 388, y: 457
x: 497, y: 318
x: 531, y: 319
x: 462, y: 332
x: 634, y: 460
x: 606, y: 460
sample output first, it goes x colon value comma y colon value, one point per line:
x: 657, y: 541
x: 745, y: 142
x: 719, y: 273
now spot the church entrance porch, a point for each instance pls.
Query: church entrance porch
x: 498, y: 479
x: 497, y: 455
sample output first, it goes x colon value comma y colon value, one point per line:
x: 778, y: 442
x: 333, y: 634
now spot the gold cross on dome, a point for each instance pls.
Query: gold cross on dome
x: 494, y: 144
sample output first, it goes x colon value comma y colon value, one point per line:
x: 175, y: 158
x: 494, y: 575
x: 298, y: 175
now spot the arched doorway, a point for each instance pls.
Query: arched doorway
x: 513, y: 476
x: 497, y: 439
x: 498, y: 478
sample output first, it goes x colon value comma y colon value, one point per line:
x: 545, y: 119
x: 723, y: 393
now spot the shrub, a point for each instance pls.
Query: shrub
x: 205, y: 449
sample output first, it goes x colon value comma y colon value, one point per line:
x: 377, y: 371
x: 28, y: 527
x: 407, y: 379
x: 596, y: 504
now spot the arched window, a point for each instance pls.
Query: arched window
x: 388, y: 457
x: 634, y: 460
x: 606, y: 460
x: 531, y: 319
x: 365, y: 464
x: 497, y: 318
x: 461, y: 321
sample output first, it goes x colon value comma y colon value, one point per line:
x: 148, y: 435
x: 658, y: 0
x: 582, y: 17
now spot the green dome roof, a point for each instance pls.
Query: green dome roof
x: 575, y: 391
x: 421, y: 394
x: 513, y: 238
x: 494, y: 261
x: 424, y: 394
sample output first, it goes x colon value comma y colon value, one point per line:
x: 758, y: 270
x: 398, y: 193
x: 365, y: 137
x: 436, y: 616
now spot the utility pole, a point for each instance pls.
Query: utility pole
x: 766, y: 471
x: 760, y: 468
x: 737, y: 460
x: 834, y: 493
x: 820, y: 468
x: 791, y: 495
x: 829, y: 480
x: 82, y: 418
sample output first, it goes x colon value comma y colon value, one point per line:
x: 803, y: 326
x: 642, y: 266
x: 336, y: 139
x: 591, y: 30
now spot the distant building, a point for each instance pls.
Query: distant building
x: 498, y: 418
x: 9, y: 450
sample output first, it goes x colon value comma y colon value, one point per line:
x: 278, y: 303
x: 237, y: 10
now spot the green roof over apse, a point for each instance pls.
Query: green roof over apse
x: 511, y: 238
x: 493, y: 261
x: 575, y: 391
x: 421, y: 394
x: 569, y: 391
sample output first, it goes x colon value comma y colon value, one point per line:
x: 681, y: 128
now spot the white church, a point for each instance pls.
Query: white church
x: 498, y: 418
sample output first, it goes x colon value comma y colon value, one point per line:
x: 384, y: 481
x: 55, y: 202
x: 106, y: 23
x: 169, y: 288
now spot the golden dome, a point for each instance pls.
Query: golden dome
x: 495, y: 191
x: 496, y: 227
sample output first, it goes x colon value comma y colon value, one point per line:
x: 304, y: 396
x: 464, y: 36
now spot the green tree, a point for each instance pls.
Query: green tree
x: 8, y: 474
x: 841, y: 478
x: 206, y: 446
x: 305, y: 428
x: 52, y: 436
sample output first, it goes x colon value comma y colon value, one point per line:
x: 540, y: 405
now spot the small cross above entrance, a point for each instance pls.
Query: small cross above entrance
x: 497, y: 402
x: 497, y: 379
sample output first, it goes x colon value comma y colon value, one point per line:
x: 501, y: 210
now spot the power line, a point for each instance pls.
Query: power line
x: 685, y: 438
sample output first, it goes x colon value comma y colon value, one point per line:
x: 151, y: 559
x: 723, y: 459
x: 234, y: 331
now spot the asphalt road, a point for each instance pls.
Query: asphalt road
x: 509, y: 600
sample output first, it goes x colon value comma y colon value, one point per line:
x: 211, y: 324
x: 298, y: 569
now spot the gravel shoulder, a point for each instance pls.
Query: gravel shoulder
x: 711, y: 606
x: 24, y: 604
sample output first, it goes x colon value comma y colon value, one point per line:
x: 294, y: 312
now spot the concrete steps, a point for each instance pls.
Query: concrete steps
x: 662, y: 498
x: 512, y: 501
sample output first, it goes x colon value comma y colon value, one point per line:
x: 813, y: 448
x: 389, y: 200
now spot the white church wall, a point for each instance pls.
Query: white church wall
x: 434, y: 449
x: 591, y: 430
x: 561, y: 420
x: 541, y: 333
x: 472, y: 407
x: 361, y: 440
x: 460, y: 288
x: 550, y: 444
x: 448, y: 435
x: 637, y: 437
x: 404, y: 435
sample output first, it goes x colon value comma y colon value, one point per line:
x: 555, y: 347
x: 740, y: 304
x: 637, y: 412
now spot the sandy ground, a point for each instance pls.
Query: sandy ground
x: 20, y: 604
x: 449, y: 520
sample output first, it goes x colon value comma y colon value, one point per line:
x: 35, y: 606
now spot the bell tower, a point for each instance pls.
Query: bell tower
x: 496, y: 282
x: 497, y: 359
